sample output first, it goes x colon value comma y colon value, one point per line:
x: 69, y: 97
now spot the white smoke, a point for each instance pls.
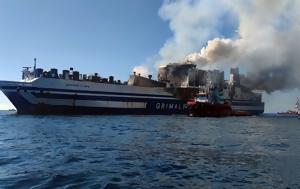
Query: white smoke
x: 265, y: 45
x: 142, y: 69
x: 147, y: 68
x: 192, y: 23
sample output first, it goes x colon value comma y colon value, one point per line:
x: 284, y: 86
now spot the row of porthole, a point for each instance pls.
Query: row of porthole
x: 25, y: 90
x: 41, y: 91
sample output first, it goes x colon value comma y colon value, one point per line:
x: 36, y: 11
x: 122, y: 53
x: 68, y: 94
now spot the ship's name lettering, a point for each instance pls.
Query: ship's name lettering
x: 170, y: 106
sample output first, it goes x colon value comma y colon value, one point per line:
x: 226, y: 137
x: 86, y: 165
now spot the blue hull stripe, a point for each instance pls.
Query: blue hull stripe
x: 82, y: 91
x: 24, y: 107
x: 106, y: 98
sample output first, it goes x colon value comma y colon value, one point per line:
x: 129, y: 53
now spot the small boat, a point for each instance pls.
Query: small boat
x: 293, y: 112
x: 205, y: 105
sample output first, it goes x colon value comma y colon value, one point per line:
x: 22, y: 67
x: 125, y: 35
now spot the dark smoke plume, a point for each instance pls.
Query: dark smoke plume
x: 265, y: 47
x: 271, y: 79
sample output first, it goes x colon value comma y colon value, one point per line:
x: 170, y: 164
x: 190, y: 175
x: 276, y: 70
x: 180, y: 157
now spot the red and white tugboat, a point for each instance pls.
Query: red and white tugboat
x: 209, y: 105
x: 293, y: 112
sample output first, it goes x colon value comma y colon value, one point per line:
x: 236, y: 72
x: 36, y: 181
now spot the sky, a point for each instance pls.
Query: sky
x: 110, y: 37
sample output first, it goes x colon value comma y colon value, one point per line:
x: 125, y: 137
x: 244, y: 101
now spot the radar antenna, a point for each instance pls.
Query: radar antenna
x: 34, y: 67
x: 26, y: 68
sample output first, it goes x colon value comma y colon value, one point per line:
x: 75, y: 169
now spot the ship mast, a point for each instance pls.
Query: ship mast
x: 34, y: 68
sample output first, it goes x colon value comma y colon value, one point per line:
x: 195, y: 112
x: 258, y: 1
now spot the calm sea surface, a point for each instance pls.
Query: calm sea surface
x: 148, y: 152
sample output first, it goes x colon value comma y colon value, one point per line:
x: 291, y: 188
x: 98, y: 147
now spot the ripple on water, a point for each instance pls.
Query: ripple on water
x: 9, y: 160
x: 21, y: 182
x: 148, y: 152
x: 61, y: 180
x: 73, y: 159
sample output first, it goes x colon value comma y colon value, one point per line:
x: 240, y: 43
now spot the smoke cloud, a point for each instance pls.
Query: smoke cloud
x: 143, y: 70
x: 264, y: 42
x: 147, y: 67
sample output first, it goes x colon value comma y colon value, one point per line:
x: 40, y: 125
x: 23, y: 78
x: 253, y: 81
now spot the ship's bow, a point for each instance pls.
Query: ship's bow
x: 16, y: 94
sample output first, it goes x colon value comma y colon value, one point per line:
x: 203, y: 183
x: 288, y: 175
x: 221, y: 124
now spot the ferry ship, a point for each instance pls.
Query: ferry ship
x: 47, y: 92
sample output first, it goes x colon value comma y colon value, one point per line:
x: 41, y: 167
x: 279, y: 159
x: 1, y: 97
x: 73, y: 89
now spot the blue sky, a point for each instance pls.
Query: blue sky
x: 109, y: 37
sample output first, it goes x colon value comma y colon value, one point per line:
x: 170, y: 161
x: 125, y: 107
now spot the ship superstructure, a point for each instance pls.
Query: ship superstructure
x: 186, y: 76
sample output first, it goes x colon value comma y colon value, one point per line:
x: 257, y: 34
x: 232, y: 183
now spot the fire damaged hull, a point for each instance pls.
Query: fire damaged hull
x: 246, y: 107
x: 223, y: 110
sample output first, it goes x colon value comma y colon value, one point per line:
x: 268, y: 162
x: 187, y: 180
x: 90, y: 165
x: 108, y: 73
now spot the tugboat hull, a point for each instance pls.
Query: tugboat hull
x: 210, y: 110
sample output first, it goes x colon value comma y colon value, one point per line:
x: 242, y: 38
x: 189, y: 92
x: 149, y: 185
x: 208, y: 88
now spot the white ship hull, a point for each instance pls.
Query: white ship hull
x: 56, y: 96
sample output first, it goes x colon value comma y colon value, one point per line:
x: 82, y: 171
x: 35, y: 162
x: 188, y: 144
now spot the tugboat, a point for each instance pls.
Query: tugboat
x: 209, y: 105
x: 292, y: 113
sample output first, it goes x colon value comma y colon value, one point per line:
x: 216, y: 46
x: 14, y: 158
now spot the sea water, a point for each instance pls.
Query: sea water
x: 148, y: 152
